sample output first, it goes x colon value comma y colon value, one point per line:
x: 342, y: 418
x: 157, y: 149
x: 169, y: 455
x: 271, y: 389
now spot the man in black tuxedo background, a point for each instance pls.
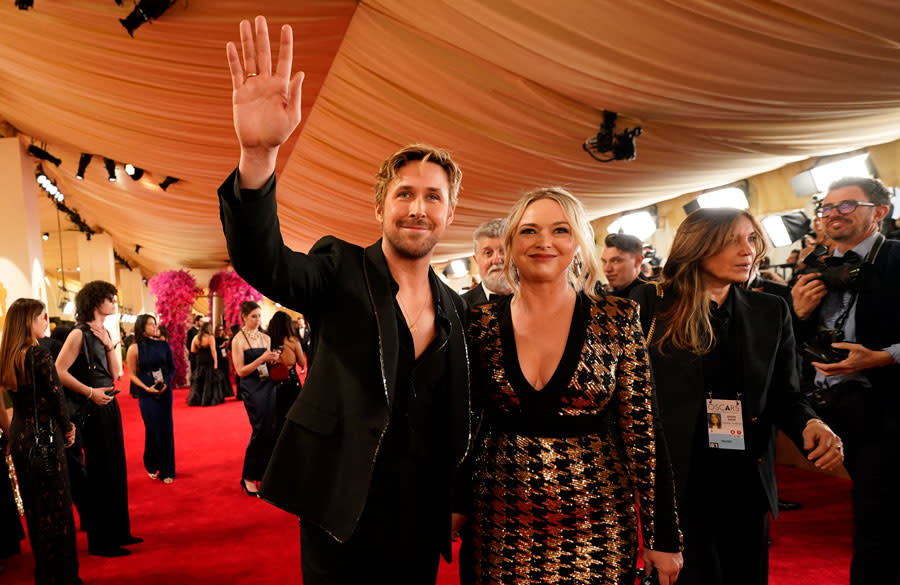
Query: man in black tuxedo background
x: 858, y: 393
x: 489, y: 256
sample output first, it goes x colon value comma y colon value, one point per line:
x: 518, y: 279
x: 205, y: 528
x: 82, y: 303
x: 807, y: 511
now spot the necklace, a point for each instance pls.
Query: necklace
x: 412, y: 325
x: 252, y: 334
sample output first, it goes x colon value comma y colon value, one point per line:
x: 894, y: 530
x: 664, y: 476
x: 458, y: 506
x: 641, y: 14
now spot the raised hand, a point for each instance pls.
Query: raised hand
x: 266, y: 105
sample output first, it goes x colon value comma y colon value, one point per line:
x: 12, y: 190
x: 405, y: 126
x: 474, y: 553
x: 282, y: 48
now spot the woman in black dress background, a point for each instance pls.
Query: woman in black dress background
x: 26, y: 369
x: 252, y: 360
x: 151, y: 368
x: 223, y: 343
x: 284, y: 371
x: 207, y: 383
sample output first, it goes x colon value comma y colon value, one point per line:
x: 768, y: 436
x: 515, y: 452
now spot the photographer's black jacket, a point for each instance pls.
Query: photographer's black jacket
x: 322, y: 465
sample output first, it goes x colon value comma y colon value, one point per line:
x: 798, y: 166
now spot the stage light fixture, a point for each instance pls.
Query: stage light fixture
x: 24, y: 4
x: 145, y: 11
x: 619, y: 146
x: 41, y: 154
x: 110, y: 169
x: 45, y: 236
x: 786, y: 228
x: 83, y: 163
x: 134, y: 172
x: 167, y: 182
x: 137, y: 248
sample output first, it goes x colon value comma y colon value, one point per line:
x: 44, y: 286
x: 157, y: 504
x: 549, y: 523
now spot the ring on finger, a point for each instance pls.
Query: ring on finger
x: 249, y: 75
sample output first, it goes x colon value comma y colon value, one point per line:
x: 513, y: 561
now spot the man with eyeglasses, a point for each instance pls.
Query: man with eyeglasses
x: 859, y: 395
x: 621, y: 261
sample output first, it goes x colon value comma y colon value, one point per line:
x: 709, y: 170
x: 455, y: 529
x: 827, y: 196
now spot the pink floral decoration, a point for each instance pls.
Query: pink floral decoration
x: 175, y: 292
x: 234, y: 291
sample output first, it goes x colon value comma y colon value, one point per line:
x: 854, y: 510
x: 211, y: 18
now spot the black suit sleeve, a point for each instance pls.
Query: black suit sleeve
x: 259, y: 255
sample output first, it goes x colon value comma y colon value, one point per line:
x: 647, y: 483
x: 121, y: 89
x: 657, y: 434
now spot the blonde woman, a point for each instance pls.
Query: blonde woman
x: 570, y: 435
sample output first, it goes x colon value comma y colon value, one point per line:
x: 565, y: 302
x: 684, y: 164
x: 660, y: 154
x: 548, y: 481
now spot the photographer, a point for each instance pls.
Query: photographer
x: 849, y: 319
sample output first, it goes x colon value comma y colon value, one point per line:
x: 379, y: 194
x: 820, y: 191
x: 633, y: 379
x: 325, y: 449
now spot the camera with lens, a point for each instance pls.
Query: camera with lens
x: 818, y: 349
x: 836, y: 274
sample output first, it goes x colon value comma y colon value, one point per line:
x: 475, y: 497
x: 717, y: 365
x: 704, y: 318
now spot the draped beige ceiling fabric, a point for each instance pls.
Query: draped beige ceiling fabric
x: 722, y: 89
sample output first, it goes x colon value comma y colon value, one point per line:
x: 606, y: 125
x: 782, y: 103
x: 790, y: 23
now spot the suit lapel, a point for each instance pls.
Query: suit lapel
x: 379, y: 282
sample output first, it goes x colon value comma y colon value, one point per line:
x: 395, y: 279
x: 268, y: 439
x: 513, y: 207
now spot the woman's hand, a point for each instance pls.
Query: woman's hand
x: 667, y: 565
x: 270, y: 356
x: 70, y: 435
x: 99, y: 396
x: 829, y: 450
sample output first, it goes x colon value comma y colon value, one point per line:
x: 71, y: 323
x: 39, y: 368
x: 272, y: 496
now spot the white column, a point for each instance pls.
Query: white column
x: 21, y: 256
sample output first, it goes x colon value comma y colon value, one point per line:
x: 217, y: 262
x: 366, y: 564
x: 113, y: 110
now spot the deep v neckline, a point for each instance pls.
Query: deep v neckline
x: 547, y: 398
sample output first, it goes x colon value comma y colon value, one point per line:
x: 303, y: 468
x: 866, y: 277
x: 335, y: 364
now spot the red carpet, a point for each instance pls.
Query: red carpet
x: 202, y: 530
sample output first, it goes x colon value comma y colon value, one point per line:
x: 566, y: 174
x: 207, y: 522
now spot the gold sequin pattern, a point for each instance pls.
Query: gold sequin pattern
x: 561, y: 509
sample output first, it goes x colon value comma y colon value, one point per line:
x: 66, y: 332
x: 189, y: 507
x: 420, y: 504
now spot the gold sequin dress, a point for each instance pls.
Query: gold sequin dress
x: 556, y: 470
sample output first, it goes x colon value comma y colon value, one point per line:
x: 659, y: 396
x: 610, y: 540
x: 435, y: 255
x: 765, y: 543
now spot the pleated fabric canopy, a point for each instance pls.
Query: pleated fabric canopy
x: 721, y: 89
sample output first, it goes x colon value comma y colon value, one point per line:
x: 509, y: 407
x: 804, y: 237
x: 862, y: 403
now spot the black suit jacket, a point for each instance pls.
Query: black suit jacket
x: 770, y: 390
x: 475, y: 296
x: 323, y: 462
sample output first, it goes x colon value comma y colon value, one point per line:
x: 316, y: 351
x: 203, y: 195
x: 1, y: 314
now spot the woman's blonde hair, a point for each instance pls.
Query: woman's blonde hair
x: 18, y: 336
x: 704, y: 233
x: 584, y: 270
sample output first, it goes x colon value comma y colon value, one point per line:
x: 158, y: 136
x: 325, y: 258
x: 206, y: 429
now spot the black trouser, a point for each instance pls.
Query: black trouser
x: 396, y: 540
x: 867, y: 421
x: 104, y: 452
x: 725, y: 521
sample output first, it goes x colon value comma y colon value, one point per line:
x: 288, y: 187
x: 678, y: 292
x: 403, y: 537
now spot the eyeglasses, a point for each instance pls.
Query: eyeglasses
x: 844, y: 207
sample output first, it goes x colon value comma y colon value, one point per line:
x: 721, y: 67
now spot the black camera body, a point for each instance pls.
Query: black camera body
x: 819, y: 349
x: 844, y: 276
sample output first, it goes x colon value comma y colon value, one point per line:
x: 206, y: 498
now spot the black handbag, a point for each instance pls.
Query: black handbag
x: 43, y: 456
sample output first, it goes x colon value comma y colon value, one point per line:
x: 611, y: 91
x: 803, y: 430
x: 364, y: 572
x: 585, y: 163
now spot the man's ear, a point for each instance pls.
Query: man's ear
x: 379, y: 213
x: 880, y: 213
x: 451, y: 215
x: 638, y: 260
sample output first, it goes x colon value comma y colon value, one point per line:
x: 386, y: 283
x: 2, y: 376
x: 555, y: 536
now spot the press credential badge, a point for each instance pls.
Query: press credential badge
x: 725, y: 424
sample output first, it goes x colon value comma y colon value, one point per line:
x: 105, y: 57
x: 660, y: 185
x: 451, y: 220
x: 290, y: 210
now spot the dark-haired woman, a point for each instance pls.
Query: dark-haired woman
x: 717, y: 348
x: 39, y: 409
x: 252, y: 357
x: 284, y: 371
x: 87, y: 365
x: 151, y: 369
x: 207, y: 383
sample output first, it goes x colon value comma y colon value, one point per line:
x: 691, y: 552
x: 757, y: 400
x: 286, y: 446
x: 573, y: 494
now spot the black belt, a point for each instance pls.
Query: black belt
x: 577, y: 425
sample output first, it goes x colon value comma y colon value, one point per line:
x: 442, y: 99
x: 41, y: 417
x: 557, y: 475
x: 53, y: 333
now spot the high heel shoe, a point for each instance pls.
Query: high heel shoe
x: 247, y: 490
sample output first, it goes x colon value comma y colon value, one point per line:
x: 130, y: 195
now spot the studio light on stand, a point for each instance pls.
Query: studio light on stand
x: 614, y: 146
x: 110, y: 169
x: 134, y: 172
x: 167, y: 182
x: 786, y: 228
x: 145, y: 11
x: 83, y: 163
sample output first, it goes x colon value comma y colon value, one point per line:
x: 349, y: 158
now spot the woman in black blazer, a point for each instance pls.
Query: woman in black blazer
x: 719, y: 348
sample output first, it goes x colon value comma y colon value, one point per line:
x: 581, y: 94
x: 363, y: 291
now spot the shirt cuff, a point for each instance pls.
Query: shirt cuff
x: 245, y: 195
x: 894, y: 350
